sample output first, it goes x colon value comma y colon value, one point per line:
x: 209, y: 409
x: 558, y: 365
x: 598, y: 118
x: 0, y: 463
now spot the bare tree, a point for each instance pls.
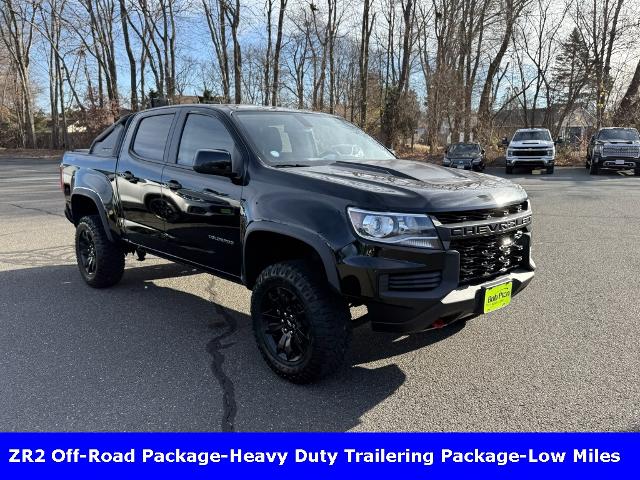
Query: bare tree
x: 276, y: 54
x: 16, y: 30
x: 629, y: 106
x: 510, y: 11
x: 600, y: 22
x: 368, y: 22
x: 216, y: 16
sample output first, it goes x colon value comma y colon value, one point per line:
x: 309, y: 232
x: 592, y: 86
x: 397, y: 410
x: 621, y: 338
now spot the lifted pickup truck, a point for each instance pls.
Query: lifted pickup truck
x: 308, y: 212
x: 531, y: 148
x: 614, y: 148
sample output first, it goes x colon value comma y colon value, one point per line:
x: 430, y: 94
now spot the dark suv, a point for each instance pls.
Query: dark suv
x: 466, y: 156
x: 614, y: 148
x: 306, y: 210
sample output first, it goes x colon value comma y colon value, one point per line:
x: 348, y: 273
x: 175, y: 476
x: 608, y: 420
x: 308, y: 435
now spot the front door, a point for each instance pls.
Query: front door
x: 139, y: 177
x: 204, y: 223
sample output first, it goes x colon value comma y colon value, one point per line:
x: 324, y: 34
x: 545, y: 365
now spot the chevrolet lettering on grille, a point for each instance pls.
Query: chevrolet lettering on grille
x: 489, y: 228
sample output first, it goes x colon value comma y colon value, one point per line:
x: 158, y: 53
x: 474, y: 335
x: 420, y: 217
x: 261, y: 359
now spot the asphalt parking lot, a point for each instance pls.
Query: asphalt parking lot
x: 171, y: 349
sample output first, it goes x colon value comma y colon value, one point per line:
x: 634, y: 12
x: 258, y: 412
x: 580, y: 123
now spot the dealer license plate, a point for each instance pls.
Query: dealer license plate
x: 460, y: 166
x: 619, y: 162
x: 497, y: 297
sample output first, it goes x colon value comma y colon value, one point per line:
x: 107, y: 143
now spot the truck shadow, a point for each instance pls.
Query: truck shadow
x: 145, y: 357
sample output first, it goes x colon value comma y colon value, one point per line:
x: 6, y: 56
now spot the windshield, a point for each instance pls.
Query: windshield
x: 540, y: 135
x: 292, y: 138
x: 464, y: 148
x: 623, y: 134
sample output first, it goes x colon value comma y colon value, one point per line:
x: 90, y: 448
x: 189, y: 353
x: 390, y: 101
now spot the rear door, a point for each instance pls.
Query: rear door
x: 204, y: 224
x: 139, y: 176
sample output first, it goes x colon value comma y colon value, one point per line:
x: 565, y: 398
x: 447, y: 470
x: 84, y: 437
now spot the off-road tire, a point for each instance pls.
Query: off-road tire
x: 108, y: 264
x: 326, y: 315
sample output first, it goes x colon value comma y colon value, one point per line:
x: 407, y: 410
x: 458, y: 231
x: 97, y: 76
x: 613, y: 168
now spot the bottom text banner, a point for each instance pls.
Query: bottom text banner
x: 318, y: 455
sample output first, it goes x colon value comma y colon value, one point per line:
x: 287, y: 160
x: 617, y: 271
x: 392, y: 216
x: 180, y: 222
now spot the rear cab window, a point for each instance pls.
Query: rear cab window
x: 105, y: 146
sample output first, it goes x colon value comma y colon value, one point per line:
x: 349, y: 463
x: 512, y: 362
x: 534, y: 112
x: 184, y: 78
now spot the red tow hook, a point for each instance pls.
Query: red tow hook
x: 438, y: 324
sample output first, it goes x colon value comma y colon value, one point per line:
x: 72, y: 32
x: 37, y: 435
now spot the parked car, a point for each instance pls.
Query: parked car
x: 531, y: 148
x: 466, y: 156
x: 614, y: 148
x: 308, y: 212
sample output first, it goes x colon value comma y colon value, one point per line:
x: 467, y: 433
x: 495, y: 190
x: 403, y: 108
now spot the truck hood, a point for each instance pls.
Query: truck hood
x: 618, y: 142
x: 531, y: 144
x: 417, y: 186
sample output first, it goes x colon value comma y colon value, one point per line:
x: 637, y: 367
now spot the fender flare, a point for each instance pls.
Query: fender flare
x: 88, y: 193
x: 312, y: 239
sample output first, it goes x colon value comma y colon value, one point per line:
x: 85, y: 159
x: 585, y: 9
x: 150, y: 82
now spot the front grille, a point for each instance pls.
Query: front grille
x: 629, y: 151
x: 404, y: 282
x: 477, y: 215
x: 482, y: 258
x: 530, y: 153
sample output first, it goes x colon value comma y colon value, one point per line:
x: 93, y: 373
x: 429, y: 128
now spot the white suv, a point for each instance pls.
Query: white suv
x: 531, y: 148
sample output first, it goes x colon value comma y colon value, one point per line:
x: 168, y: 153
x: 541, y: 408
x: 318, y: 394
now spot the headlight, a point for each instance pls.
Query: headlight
x: 477, y: 160
x: 509, y: 153
x: 550, y: 152
x: 597, y: 149
x: 446, y: 161
x: 397, y: 228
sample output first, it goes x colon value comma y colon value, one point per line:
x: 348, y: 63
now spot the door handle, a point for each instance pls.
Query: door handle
x: 174, y: 185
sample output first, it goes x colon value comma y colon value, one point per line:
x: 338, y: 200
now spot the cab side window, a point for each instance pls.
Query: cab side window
x: 104, y: 147
x: 152, y: 136
x: 202, y: 132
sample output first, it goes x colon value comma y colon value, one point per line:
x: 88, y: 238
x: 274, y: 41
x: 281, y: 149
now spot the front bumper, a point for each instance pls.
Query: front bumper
x: 464, y: 164
x: 546, y: 161
x: 463, y: 302
x: 616, y: 163
x: 366, y: 272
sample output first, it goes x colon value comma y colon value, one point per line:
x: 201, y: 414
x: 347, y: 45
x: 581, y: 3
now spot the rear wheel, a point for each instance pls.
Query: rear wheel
x: 100, y: 261
x: 301, y: 327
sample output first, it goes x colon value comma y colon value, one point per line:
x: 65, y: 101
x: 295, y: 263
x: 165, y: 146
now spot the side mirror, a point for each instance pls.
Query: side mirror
x: 214, y: 162
x: 593, y: 139
x: 482, y: 151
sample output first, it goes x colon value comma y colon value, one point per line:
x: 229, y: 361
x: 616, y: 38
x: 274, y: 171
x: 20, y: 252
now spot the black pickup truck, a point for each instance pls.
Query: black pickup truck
x: 306, y: 210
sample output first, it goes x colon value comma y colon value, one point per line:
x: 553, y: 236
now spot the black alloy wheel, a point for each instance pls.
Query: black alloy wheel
x: 87, y: 252
x: 284, y: 325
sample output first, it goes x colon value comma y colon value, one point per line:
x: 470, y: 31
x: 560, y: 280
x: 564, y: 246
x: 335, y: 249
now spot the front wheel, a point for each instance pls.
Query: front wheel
x: 101, y: 261
x: 509, y: 170
x: 593, y: 168
x: 550, y: 170
x: 301, y: 327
